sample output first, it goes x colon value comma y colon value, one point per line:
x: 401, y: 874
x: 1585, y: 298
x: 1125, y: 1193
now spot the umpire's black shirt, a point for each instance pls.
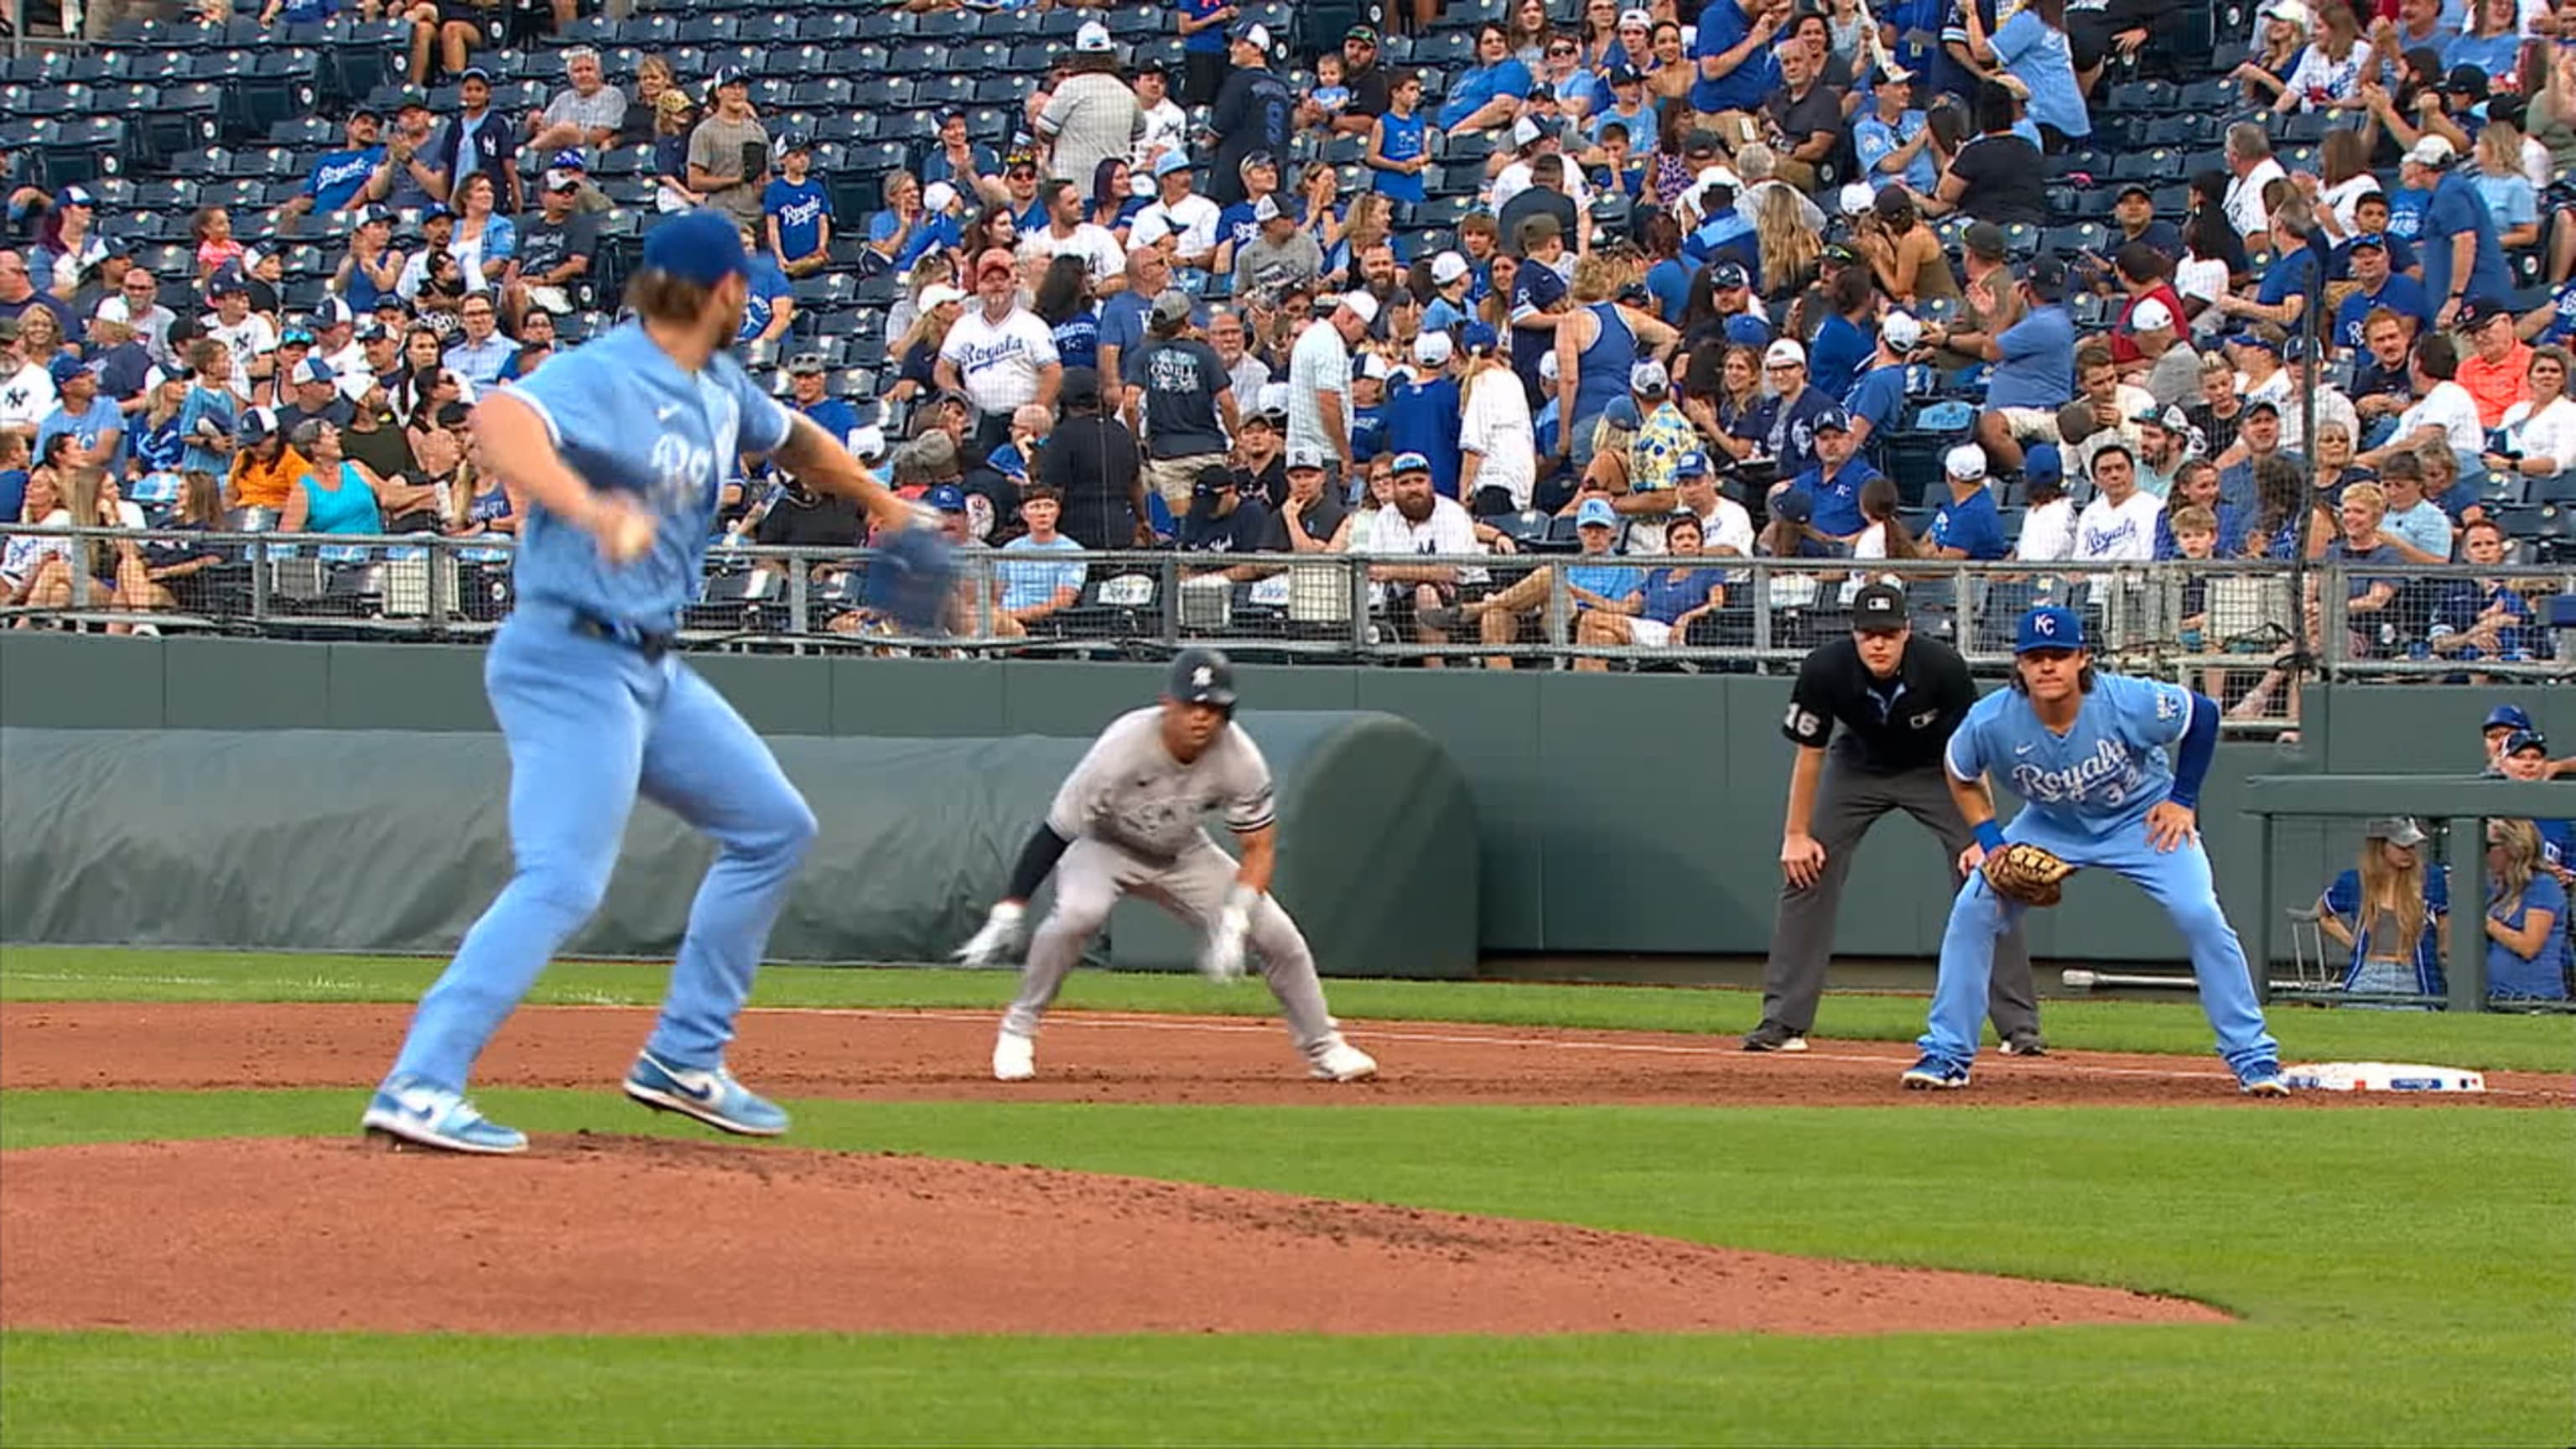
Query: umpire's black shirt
x: 1888, y: 725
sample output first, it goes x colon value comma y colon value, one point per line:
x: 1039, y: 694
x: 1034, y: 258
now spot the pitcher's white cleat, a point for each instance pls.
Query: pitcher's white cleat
x: 1015, y: 1057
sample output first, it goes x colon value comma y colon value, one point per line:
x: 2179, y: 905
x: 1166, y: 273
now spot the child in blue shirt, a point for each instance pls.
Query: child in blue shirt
x: 799, y: 212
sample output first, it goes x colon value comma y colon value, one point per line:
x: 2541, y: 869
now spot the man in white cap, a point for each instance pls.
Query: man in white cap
x: 1966, y: 524
x: 2166, y: 366
x: 1422, y: 411
x: 2164, y: 445
x: 1179, y: 216
x: 1664, y: 437
x: 1532, y: 140
x: 1282, y: 255
x: 1319, y: 381
x: 1792, y: 439
x: 1877, y: 399
x: 1093, y: 116
x: 2461, y: 256
x: 1452, y: 278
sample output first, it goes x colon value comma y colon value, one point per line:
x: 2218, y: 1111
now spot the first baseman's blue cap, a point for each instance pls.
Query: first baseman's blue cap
x: 2508, y: 716
x: 2050, y: 626
x: 704, y: 247
x: 2521, y: 740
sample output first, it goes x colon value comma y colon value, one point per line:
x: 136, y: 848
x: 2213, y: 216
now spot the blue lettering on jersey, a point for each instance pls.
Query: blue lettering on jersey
x: 2102, y: 774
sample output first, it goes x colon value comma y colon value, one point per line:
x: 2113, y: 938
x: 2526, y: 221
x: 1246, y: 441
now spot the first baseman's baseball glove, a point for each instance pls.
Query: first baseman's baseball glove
x: 2027, y: 873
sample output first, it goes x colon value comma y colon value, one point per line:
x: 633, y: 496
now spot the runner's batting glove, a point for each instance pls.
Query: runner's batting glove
x: 999, y: 938
x: 1223, y: 958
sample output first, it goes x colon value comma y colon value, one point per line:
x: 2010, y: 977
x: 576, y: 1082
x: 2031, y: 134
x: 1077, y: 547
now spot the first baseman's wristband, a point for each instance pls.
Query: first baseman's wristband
x: 1990, y: 835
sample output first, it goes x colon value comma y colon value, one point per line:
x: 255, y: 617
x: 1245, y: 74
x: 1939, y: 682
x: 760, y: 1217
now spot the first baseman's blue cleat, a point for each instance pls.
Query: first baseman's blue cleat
x: 714, y: 1098
x: 1934, y: 1073
x: 414, y: 1111
x: 2262, y: 1079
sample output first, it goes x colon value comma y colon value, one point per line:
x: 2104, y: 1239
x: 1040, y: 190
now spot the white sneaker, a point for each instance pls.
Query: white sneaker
x: 1015, y: 1057
x: 1340, y: 1061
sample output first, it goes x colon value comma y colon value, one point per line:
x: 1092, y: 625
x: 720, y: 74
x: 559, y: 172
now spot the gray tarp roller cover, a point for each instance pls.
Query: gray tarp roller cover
x: 395, y: 841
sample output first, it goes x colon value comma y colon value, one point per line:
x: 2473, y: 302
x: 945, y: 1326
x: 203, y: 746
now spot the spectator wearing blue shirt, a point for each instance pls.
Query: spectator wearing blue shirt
x: 798, y: 213
x: 1033, y: 587
x: 2034, y: 368
x: 2195, y: 485
x: 1489, y: 93
x: 339, y: 176
x: 807, y: 394
x: 1424, y: 410
x: 957, y: 159
x: 2033, y: 47
x: 1966, y: 524
x: 2511, y: 202
x: 1893, y: 139
x: 1876, y: 401
x: 2378, y: 286
x: 770, y: 308
x: 1835, y: 482
x: 1732, y: 49
x: 1202, y: 26
x: 1792, y: 435
x: 96, y: 425
x: 2526, y: 917
x: 1843, y: 345
x: 2462, y: 257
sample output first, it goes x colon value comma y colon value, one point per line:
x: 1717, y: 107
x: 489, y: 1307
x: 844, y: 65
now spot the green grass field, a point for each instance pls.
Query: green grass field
x: 2402, y: 1277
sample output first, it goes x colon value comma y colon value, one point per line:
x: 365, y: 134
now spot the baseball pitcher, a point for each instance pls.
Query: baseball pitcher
x: 1127, y: 820
x: 2109, y: 769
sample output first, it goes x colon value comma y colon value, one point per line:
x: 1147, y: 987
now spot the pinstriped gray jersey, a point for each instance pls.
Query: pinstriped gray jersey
x: 1129, y: 791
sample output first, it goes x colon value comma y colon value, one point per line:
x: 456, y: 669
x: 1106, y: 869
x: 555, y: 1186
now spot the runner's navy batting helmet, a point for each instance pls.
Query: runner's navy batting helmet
x: 1203, y: 676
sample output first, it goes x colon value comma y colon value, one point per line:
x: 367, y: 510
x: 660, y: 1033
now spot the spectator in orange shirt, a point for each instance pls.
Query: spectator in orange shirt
x: 265, y: 470
x: 2498, y: 373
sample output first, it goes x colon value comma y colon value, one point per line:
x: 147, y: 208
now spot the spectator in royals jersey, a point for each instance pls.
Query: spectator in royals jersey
x: 998, y: 354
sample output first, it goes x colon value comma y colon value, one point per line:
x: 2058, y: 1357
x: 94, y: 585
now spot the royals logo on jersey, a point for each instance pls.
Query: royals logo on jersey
x: 2103, y: 772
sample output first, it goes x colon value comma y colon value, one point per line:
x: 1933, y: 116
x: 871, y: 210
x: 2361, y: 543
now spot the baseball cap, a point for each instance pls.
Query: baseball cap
x: 2043, y: 464
x: 2479, y: 311
x: 805, y: 364
x: 1092, y: 39
x: 994, y: 259
x: 369, y: 216
x: 1256, y: 35
x: 256, y: 424
x: 1966, y: 462
x: 1900, y: 331
x: 2267, y: 338
x: 1832, y: 420
x: 1202, y: 676
x: 1794, y: 504
x: 2395, y: 829
x: 1879, y: 609
x: 704, y: 247
x: 74, y: 196
x: 2510, y: 717
x: 2050, y: 626
x: 477, y: 73
x: 729, y: 76
x: 1276, y: 207
x: 2135, y: 188
x: 1212, y: 480
x: 2431, y: 151
x: 1595, y: 513
x: 1784, y: 353
x: 370, y: 330
x: 1169, y: 162
x: 558, y: 179
x: 2046, y: 277
x: 2262, y: 405
x: 1416, y: 463
x: 947, y: 498
x: 1626, y: 75
x: 940, y: 294
x: 1648, y: 379
x: 1985, y: 239
x: 2466, y: 80
x: 1728, y: 276
x: 1306, y: 458
x: 1703, y: 143
x: 2293, y: 11
x: 1856, y: 198
x: 1432, y: 349
x: 2170, y: 419
x: 2521, y: 740
x: 1364, y: 34
x: 1525, y: 132
x: 1448, y: 267
x: 1693, y: 464
x: 571, y: 159
x: 226, y: 283
x: 2376, y: 241
x: 312, y: 369
x: 65, y: 367
x: 1171, y: 308
x: 1621, y: 412
x: 1362, y: 305
x: 2150, y: 315
x: 1477, y: 337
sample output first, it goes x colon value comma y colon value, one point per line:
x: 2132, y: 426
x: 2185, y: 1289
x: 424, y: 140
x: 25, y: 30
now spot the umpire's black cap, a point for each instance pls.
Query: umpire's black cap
x: 1879, y: 607
x: 1203, y: 676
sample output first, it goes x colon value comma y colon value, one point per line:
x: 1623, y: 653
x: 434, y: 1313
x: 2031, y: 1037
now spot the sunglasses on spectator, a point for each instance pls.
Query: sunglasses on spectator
x: 1560, y: 50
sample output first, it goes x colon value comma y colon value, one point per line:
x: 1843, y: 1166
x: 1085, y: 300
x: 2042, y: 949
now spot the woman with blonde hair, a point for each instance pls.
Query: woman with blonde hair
x: 2265, y: 79
x: 2388, y: 911
x: 1598, y: 345
x: 1497, y: 441
x: 674, y: 117
x: 2328, y: 74
x: 643, y: 119
x: 2508, y: 192
x: 1790, y: 248
x: 40, y: 335
x: 91, y: 498
x: 174, y: 574
x: 916, y: 353
x: 2526, y: 906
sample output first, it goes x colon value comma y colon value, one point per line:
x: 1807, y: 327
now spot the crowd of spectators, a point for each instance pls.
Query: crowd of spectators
x: 1979, y: 282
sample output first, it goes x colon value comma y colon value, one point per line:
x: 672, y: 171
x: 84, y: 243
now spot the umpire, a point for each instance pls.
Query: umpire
x: 1898, y: 698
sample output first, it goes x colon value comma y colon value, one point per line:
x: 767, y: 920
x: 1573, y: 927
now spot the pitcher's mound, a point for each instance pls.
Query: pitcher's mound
x: 634, y: 1235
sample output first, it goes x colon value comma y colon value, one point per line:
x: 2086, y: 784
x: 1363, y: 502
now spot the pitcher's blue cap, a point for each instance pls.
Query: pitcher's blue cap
x: 2050, y: 626
x: 703, y: 247
x: 2508, y: 717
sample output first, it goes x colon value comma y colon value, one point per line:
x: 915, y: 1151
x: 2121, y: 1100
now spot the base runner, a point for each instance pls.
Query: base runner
x: 1126, y: 821
x: 2109, y: 769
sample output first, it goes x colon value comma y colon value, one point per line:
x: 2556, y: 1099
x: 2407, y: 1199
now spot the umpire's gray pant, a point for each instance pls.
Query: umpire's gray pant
x: 1848, y: 802
x: 1094, y: 874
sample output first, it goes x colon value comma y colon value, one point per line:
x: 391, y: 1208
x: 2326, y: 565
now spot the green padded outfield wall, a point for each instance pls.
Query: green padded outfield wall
x: 1617, y: 813
x: 393, y: 840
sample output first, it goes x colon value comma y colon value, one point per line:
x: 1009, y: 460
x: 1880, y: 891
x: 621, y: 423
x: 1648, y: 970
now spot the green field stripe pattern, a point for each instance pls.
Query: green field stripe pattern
x: 2404, y: 1278
x: 2487, y: 1042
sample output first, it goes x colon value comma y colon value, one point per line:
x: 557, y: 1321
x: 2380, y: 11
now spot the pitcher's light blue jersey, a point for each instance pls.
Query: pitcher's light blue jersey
x: 628, y: 419
x: 2098, y: 778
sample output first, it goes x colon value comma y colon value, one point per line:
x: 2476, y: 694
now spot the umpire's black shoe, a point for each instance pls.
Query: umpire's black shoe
x: 1771, y: 1036
x: 2025, y: 1044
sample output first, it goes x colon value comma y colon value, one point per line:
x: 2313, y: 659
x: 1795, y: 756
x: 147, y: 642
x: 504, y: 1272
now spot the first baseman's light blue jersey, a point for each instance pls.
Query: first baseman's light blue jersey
x: 2097, y: 779
x: 629, y: 419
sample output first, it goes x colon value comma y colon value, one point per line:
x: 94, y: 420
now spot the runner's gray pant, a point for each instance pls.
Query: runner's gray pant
x: 1093, y: 875
x: 1848, y: 802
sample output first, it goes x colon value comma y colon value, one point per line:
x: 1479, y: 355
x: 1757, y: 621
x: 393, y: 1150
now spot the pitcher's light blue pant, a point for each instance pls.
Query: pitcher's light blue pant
x: 2179, y: 880
x: 590, y: 723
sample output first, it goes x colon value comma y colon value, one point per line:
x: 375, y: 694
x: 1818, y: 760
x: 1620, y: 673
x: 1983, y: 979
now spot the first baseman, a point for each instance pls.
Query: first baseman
x: 1898, y: 699
x: 2109, y: 769
x: 1127, y: 820
x: 624, y: 446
